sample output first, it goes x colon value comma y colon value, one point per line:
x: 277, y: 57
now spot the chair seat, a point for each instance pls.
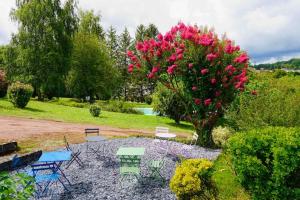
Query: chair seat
x: 94, y: 138
x: 130, y: 170
x: 47, y: 177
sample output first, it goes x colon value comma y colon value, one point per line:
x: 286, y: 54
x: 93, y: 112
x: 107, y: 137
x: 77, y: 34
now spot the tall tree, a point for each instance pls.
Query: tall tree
x: 123, y: 61
x: 40, y: 51
x: 90, y: 23
x: 140, y: 32
x: 92, y: 73
x: 112, y: 43
x: 151, y: 31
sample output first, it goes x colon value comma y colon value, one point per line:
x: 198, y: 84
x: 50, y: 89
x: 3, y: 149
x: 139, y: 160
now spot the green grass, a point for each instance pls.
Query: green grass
x: 228, y: 186
x: 53, y: 111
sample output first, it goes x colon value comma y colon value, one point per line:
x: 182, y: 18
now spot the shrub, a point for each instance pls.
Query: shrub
x: 148, y: 99
x: 192, y: 180
x: 119, y: 106
x: 19, y: 94
x: 16, y: 187
x: 220, y: 135
x: 3, y: 84
x: 95, y: 110
x: 167, y: 103
x: 267, y: 162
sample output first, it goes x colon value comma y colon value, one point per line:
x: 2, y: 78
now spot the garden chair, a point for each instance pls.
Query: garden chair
x: 44, y: 175
x: 130, y: 167
x: 157, y: 141
x: 74, y: 156
x: 155, y: 167
x: 92, y: 136
x: 189, y: 148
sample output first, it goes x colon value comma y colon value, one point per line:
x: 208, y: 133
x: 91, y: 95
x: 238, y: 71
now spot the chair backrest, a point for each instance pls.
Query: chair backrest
x: 67, y: 144
x: 194, y: 138
x: 43, y: 167
x: 91, y: 131
x: 15, y: 162
x: 161, y: 130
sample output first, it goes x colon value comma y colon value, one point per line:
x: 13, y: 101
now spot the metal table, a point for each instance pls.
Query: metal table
x: 56, y: 157
x: 168, y: 137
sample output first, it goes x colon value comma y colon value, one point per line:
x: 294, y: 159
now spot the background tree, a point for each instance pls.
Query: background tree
x: 92, y: 73
x: 123, y: 61
x: 211, y: 71
x: 112, y: 43
x: 40, y: 51
x: 90, y: 24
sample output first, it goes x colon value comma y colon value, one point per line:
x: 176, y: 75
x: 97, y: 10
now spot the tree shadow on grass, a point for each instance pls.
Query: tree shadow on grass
x: 183, y: 126
x: 33, y: 109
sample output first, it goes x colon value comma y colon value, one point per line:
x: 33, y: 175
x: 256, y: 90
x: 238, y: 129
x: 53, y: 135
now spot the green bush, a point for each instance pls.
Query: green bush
x: 3, y: 84
x: 192, y: 180
x: 267, y: 162
x: 221, y: 135
x: 119, y: 106
x: 16, y: 187
x: 95, y: 110
x: 19, y: 94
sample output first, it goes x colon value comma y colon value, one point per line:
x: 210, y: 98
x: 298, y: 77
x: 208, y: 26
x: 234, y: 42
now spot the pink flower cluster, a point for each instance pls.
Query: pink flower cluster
x: 229, y: 48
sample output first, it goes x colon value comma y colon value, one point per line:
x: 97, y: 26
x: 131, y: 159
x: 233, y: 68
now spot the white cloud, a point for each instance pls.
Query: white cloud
x: 264, y: 28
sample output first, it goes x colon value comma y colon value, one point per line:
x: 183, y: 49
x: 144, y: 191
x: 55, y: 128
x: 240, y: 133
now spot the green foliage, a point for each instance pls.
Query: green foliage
x: 267, y: 162
x: 119, y: 106
x: 277, y: 103
x: 95, y: 110
x: 293, y: 63
x: 92, y: 73
x: 16, y: 187
x: 220, y: 135
x: 40, y: 52
x: 279, y: 73
x: 19, y: 94
x: 192, y: 180
x: 90, y: 24
x: 168, y: 103
x: 3, y: 84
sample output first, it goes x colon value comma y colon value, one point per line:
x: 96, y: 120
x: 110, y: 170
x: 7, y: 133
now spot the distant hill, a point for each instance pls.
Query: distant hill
x: 293, y: 63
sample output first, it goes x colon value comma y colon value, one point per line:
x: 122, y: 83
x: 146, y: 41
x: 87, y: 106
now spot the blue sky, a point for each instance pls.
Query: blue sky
x: 268, y: 29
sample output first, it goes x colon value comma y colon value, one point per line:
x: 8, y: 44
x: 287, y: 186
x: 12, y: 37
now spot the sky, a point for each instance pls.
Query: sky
x: 268, y: 30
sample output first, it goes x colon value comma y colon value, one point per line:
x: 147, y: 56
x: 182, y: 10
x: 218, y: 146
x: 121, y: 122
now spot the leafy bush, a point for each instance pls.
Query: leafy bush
x: 167, y: 103
x: 192, y: 180
x: 148, y: 99
x: 119, y: 106
x: 95, y: 110
x: 3, y: 84
x: 267, y: 162
x: 15, y: 187
x: 19, y: 94
x: 221, y: 135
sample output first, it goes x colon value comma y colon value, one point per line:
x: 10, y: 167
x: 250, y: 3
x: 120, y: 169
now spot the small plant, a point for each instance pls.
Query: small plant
x: 19, y: 94
x: 192, y: 180
x: 221, y: 135
x: 95, y: 110
x: 16, y: 187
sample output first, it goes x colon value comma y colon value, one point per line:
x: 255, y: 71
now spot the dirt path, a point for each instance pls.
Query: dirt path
x: 14, y: 128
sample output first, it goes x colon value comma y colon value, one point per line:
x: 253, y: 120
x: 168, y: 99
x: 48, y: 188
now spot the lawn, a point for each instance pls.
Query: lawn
x: 47, y: 110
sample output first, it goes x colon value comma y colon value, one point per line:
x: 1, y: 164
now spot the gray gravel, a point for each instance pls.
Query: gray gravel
x: 99, y: 178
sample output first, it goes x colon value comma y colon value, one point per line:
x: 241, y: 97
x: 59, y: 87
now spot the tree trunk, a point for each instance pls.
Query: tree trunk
x: 205, y: 136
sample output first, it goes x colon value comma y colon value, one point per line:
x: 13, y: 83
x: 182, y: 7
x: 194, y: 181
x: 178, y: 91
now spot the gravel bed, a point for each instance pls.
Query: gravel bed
x: 99, y: 178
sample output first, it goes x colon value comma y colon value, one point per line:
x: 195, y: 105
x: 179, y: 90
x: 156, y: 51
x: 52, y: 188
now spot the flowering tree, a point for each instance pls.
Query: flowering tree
x: 212, y: 72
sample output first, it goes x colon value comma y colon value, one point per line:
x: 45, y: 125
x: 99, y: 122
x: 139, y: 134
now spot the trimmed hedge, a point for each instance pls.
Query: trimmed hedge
x: 19, y: 94
x: 267, y: 162
x: 192, y: 180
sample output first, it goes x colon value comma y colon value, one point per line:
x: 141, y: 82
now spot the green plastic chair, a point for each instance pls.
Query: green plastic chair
x: 130, y: 167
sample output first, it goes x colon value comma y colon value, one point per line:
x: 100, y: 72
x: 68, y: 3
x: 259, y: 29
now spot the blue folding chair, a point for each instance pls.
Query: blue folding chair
x: 44, y: 175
